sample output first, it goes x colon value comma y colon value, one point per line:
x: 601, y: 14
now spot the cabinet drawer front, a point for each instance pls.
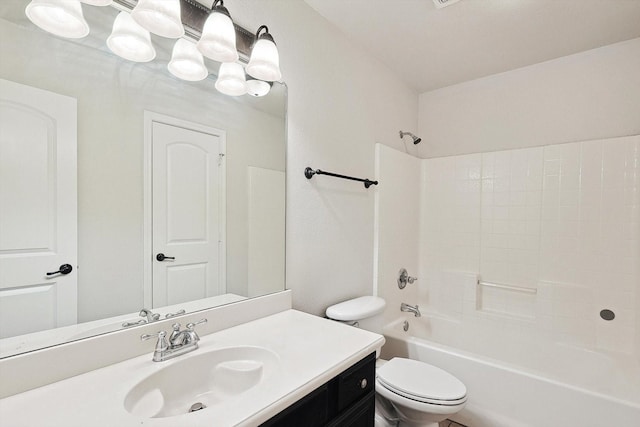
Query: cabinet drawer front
x: 356, y: 382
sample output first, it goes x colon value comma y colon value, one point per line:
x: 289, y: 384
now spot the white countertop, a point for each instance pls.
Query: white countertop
x: 312, y: 350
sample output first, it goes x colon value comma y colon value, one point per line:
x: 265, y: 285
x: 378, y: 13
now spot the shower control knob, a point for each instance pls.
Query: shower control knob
x: 404, y: 278
x: 363, y: 383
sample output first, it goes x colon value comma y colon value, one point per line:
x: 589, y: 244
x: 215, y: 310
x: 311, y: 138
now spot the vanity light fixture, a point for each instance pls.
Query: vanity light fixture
x: 231, y: 79
x: 129, y: 40
x: 218, y: 41
x: 161, y: 17
x: 257, y: 87
x: 98, y: 2
x: 62, y: 18
x: 187, y: 62
x: 264, y: 63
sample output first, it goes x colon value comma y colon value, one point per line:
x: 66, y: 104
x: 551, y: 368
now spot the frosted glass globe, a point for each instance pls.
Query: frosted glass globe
x: 231, y: 79
x: 129, y: 40
x: 62, y: 18
x: 187, y: 62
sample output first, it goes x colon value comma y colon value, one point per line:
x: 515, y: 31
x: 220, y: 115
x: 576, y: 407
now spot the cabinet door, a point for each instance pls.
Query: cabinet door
x: 356, y: 382
x: 310, y: 411
x: 361, y: 414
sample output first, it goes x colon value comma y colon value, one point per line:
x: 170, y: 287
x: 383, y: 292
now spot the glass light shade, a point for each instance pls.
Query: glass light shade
x: 97, y: 2
x: 264, y: 63
x: 129, y: 40
x: 218, y: 40
x: 60, y: 17
x: 257, y: 87
x: 231, y: 79
x: 161, y: 17
x: 187, y: 62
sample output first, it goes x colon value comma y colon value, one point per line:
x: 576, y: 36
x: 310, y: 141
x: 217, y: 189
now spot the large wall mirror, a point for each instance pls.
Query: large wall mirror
x: 177, y: 197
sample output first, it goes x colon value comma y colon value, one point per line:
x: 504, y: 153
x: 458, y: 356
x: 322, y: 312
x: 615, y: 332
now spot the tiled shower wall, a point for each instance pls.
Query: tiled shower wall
x: 561, y: 222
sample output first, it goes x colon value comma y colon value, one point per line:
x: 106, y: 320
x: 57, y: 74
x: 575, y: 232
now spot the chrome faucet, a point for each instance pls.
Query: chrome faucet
x: 151, y: 316
x: 179, y: 342
x: 145, y: 312
x: 410, y: 309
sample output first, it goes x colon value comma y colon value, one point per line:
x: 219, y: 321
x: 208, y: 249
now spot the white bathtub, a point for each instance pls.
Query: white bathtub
x: 556, y: 386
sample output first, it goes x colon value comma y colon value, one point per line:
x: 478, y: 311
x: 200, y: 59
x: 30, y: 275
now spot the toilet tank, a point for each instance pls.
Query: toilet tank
x: 366, y: 311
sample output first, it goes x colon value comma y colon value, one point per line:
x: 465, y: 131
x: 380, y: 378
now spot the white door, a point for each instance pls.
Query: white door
x: 38, y: 209
x: 187, y: 194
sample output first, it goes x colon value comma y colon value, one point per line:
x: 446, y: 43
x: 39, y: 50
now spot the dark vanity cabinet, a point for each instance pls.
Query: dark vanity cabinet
x: 347, y: 400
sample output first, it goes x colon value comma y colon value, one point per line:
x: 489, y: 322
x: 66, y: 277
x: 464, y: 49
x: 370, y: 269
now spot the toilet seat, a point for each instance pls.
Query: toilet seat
x: 421, y: 382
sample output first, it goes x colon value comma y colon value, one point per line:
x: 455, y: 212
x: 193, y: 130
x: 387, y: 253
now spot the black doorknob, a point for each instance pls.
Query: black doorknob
x: 162, y: 257
x: 63, y: 269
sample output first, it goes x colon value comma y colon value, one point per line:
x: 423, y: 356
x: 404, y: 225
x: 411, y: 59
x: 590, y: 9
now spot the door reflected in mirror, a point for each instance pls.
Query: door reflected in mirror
x: 107, y: 164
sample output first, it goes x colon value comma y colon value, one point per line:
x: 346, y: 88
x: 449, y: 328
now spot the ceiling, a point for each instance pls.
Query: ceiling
x: 430, y: 48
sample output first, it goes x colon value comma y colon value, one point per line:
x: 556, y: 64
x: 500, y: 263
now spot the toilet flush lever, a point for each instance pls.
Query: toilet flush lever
x: 404, y: 278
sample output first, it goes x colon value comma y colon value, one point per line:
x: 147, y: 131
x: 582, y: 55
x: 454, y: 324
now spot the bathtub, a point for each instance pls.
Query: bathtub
x: 554, y: 386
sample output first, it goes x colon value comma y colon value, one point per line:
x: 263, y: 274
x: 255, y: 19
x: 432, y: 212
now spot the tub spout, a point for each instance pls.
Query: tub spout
x: 410, y: 309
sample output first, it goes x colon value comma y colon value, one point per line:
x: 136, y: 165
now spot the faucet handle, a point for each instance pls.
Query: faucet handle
x: 192, y: 325
x: 177, y: 313
x: 151, y: 316
x: 159, y: 334
x: 161, y: 344
x: 191, y: 328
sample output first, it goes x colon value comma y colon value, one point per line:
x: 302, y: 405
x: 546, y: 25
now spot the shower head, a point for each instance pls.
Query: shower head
x: 416, y: 140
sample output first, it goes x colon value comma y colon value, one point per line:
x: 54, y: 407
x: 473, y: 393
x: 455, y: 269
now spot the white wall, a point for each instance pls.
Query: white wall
x: 589, y: 95
x: 340, y: 103
x: 396, y: 224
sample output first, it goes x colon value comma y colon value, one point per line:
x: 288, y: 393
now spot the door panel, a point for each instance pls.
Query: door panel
x: 38, y: 209
x: 187, y: 182
x: 19, y: 305
x: 186, y: 213
x: 186, y: 282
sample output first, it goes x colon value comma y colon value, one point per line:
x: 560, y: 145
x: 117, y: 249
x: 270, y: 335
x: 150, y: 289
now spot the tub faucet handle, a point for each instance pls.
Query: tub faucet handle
x: 404, y: 278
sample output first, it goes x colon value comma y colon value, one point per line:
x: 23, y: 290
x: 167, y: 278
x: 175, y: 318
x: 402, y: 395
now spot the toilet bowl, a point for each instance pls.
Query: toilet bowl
x: 409, y: 393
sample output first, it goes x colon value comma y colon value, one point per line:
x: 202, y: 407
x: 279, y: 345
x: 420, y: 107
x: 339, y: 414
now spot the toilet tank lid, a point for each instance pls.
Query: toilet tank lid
x: 356, y: 309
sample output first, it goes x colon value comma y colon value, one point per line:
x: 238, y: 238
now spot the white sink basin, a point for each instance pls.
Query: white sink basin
x: 201, y: 380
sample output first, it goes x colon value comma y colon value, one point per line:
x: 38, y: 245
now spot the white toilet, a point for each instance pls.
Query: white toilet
x: 408, y: 392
